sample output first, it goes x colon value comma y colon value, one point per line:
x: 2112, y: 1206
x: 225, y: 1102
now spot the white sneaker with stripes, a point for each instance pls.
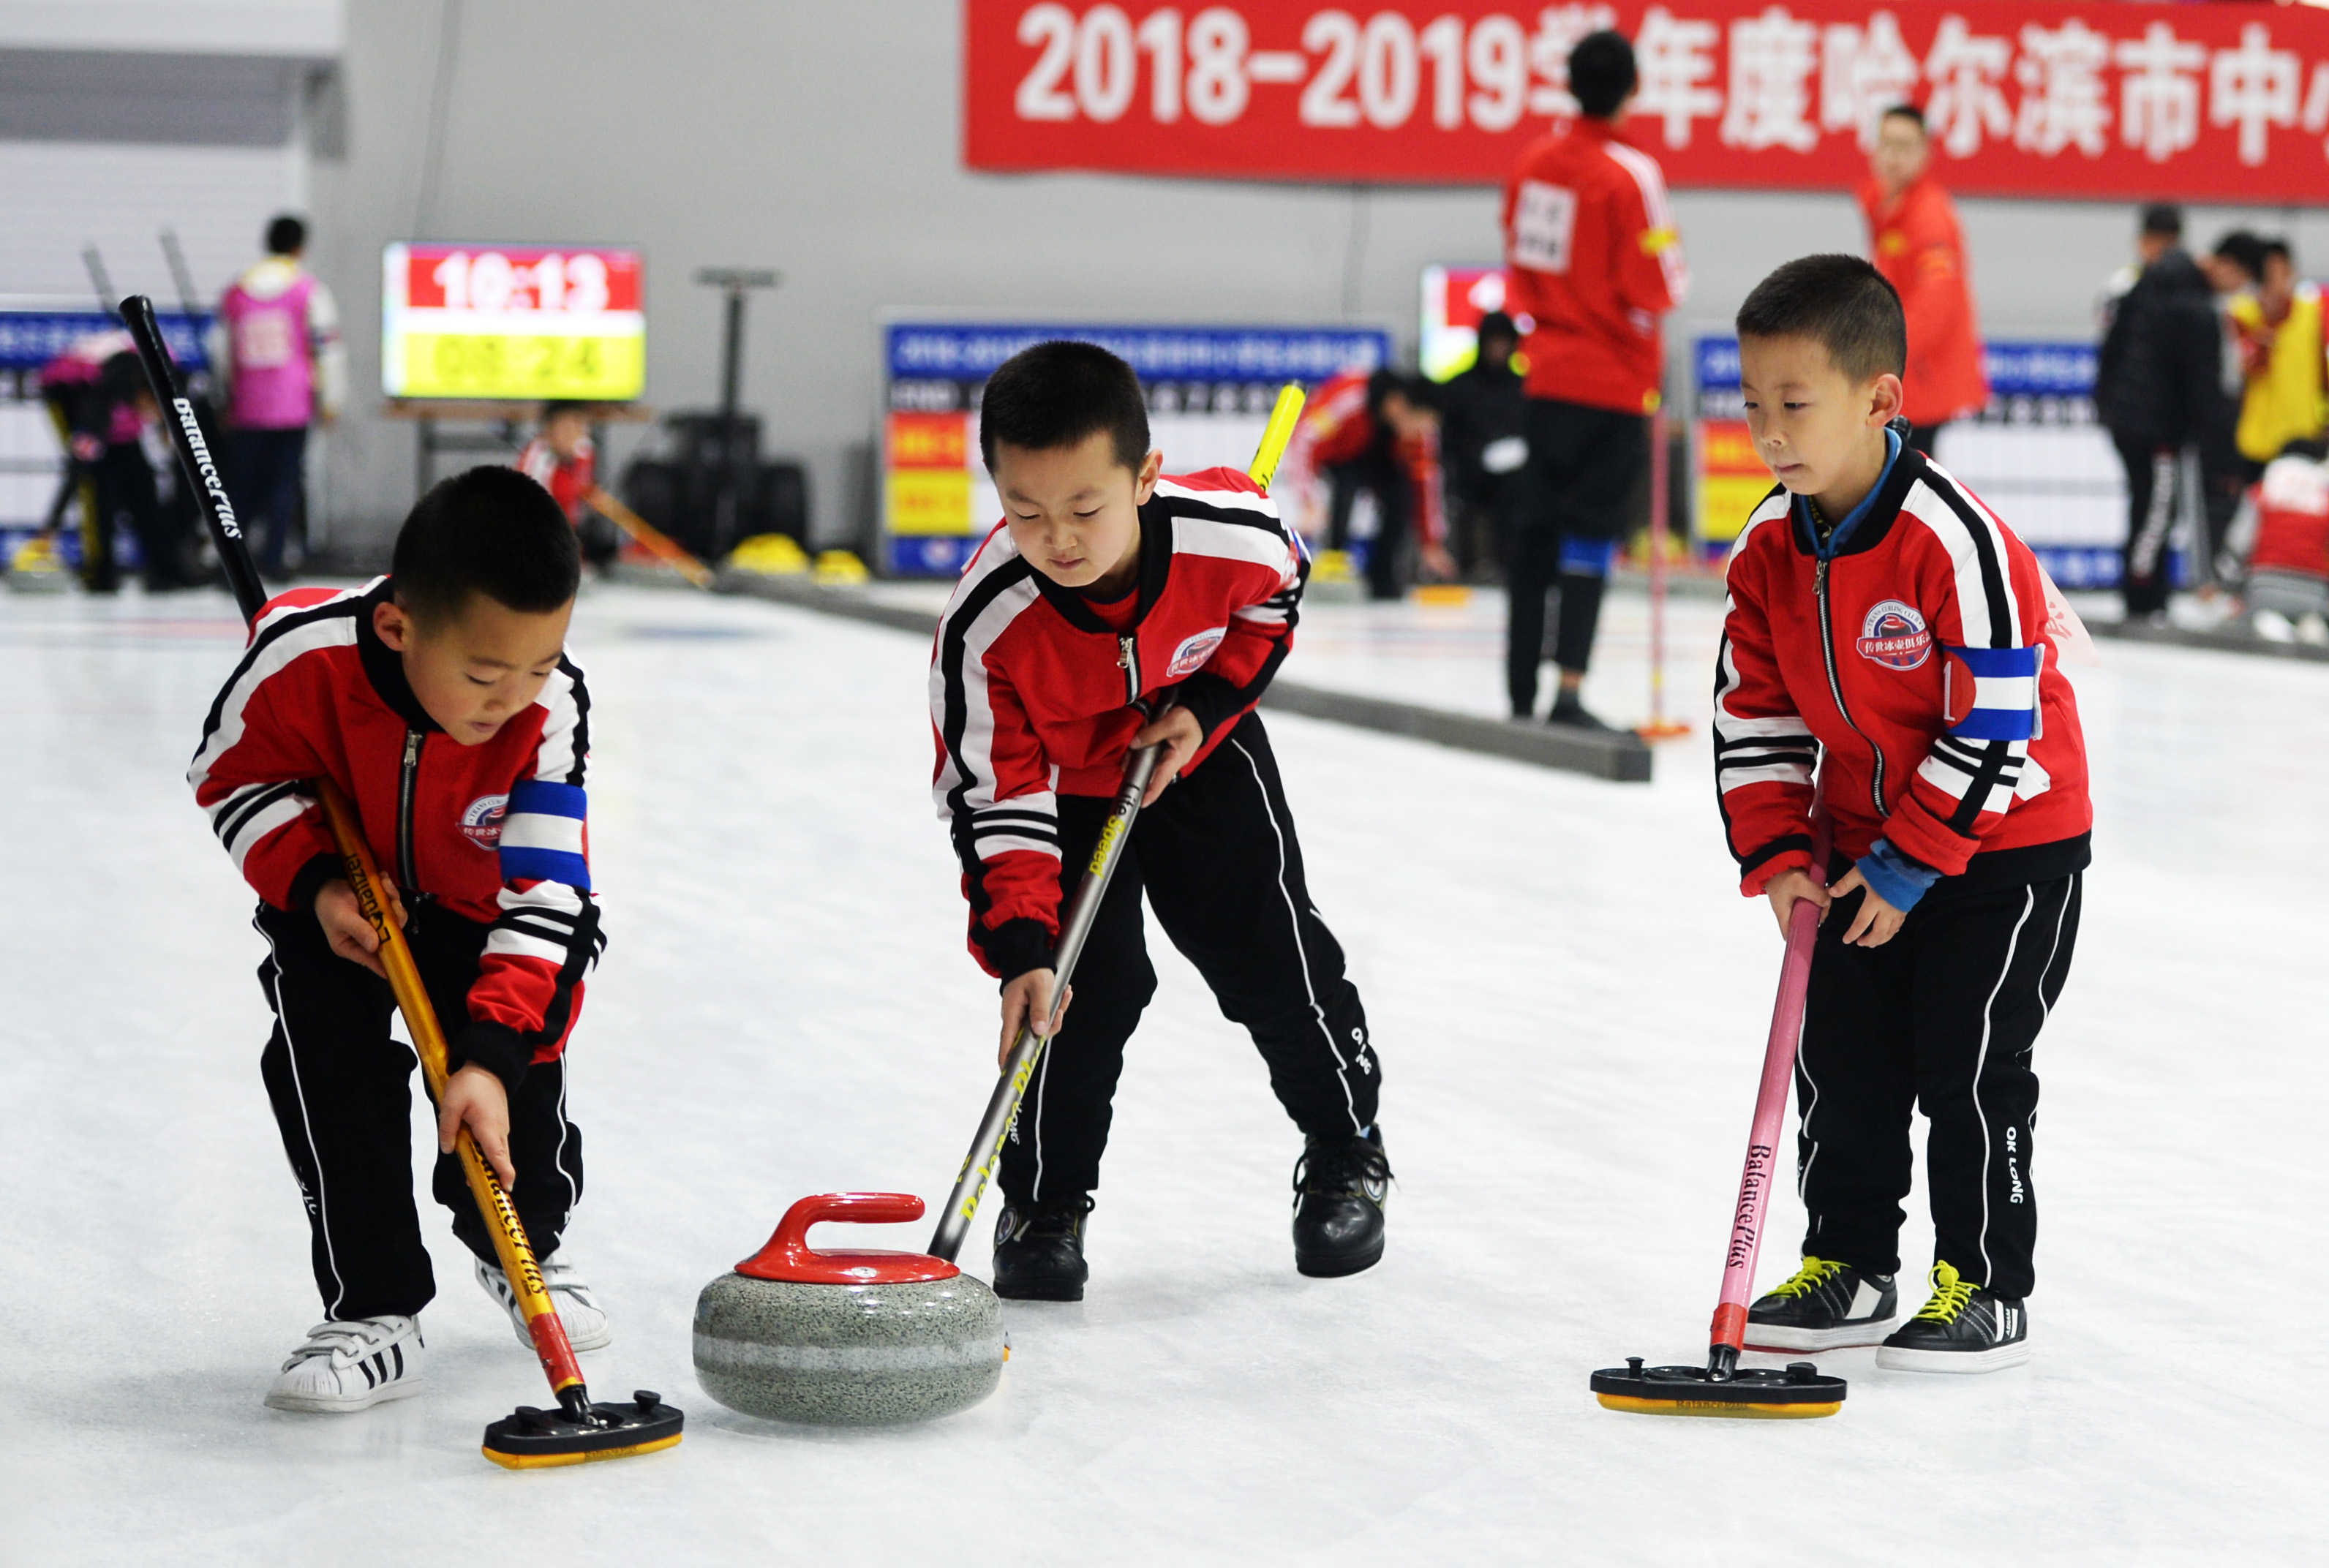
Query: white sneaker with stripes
x: 569, y: 1292
x: 351, y: 1365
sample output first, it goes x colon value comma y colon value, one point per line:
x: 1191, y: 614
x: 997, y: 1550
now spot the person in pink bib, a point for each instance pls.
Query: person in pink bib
x: 276, y: 344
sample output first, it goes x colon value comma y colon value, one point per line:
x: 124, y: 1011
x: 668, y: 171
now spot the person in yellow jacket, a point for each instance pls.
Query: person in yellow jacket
x: 2287, y: 395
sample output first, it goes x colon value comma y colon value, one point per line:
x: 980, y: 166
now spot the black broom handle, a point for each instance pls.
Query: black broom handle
x: 194, y: 454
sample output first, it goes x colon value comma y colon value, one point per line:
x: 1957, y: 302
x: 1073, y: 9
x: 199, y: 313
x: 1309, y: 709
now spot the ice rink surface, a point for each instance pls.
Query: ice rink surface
x: 1570, y: 999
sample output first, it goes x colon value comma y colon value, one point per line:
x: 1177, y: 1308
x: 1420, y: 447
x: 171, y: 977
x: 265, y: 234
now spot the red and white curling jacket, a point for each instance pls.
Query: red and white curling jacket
x: 493, y: 833
x: 1036, y: 692
x: 1908, y: 654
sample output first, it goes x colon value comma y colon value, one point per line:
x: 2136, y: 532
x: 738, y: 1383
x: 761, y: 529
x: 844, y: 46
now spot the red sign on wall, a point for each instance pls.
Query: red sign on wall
x: 2036, y: 98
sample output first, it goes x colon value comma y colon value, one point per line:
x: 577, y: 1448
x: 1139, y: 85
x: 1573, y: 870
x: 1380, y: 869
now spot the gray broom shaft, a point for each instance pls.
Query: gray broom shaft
x: 1019, y: 1071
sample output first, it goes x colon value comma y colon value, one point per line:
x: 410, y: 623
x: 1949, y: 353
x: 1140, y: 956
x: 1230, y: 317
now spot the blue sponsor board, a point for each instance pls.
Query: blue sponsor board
x: 960, y: 351
x: 30, y: 339
x: 2015, y: 369
x: 931, y: 555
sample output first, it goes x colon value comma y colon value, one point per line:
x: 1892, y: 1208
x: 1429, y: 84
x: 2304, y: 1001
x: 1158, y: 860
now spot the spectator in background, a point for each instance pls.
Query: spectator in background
x: 1915, y: 242
x: 1484, y: 417
x: 563, y: 460
x: 278, y: 347
x: 2232, y: 270
x: 2285, y: 396
x: 2157, y: 387
x: 1592, y: 256
x: 137, y: 478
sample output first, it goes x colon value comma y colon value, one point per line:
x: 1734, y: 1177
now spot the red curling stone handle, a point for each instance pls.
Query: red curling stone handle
x: 788, y: 1255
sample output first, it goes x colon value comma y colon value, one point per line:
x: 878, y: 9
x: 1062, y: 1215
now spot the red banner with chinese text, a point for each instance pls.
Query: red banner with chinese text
x: 2024, y: 98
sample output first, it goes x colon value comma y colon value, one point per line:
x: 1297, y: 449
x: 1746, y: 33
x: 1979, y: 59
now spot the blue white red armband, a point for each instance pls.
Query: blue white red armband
x: 2002, y: 701
x: 542, y: 834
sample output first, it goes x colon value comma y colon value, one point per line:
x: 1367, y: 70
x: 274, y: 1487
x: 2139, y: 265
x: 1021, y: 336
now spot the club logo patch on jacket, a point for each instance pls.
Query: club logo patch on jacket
x: 481, y: 822
x: 1895, y: 637
x: 1191, y: 655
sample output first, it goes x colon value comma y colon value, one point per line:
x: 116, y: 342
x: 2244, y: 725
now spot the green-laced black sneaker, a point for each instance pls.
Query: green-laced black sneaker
x: 1826, y: 1306
x: 1964, y: 1328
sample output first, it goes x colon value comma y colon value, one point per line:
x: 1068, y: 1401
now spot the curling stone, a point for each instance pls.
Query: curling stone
x: 847, y: 1338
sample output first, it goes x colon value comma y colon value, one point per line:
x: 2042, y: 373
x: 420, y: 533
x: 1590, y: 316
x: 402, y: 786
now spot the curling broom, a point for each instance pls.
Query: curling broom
x: 1720, y: 1387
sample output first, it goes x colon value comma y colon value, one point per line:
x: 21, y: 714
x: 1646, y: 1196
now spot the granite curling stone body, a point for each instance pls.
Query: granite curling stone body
x: 847, y: 1338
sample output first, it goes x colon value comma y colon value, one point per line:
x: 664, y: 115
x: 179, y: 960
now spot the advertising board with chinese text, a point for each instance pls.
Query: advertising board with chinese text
x: 2037, y: 98
x: 1209, y: 389
x: 2035, y: 455
x: 512, y: 322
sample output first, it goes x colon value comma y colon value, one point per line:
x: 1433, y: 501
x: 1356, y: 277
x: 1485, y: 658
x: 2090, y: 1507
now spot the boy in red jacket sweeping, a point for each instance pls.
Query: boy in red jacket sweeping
x: 1115, y: 607
x: 440, y: 700
x: 1883, y: 623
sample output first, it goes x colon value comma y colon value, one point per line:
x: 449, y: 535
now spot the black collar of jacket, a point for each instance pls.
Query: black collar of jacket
x: 1156, y: 567
x: 384, y: 666
x: 1882, y: 512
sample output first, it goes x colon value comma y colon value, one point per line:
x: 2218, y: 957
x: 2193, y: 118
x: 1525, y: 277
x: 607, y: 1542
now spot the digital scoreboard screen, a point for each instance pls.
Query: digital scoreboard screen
x: 512, y: 322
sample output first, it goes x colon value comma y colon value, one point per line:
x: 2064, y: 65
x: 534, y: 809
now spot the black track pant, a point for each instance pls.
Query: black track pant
x: 1583, y: 467
x: 342, y: 1091
x: 1218, y: 858
x: 1942, y: 1017
x: 2154, y: 487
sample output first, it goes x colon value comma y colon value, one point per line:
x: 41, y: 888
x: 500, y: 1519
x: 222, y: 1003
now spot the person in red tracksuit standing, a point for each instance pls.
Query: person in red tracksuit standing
x: 1592, y: 256
x: 1885, y: 625
x: 1916, y: 243
x: 440, y: 700
x: 1116, y: 607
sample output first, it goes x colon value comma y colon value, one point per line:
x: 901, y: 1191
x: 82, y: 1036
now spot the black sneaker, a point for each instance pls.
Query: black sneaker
x: 1568, y: 709
x: 1339, y: 1188
x: 1038, y: 1251
x: 1964, y: 1328
x: 1826, y: 1306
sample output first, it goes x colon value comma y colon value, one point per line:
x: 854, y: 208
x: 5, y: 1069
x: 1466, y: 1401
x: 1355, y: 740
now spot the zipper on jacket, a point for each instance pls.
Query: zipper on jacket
x: 1835, y: 686
x: 1127, y: 659
x: 408, y: 878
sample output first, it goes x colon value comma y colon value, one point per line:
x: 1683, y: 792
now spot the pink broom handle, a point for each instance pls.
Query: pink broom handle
x: 1770, y: 1109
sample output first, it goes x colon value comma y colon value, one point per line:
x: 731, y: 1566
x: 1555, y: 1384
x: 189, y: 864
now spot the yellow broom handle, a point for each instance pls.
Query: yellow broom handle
x: 1276, y: 434
x: 510, y: 1244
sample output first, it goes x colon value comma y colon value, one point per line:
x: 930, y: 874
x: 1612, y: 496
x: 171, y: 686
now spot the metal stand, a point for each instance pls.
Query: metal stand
x: 735, y: 466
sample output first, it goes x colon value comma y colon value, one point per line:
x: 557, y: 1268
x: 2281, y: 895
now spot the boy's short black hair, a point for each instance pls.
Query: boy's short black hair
x: 1904, y: 111
x: 490, y: 531
x: 1843, y: 303
x: 2244, y: 250
x: 287, y: 236
x: 2163, y: 218
x: 1059, y: 394
x: 2272, y: 246
x: 557, y: 406
x: 1498, y: 324
x: 1601, y: 72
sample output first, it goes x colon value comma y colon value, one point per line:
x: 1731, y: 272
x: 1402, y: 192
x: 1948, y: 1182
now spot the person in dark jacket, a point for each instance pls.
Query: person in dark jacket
x: 1483, y: 441
x: 2158, y: 386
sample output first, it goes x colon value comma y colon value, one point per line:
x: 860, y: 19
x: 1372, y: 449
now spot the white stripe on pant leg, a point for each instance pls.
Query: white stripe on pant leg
x: 1042, y: 1078
x: 557, y: 1160
x: 2029, y: 902
x: 1804, y: 1178
x: 291, y: 1055
x: 2045, y: 1008
x: 1341, y: 1067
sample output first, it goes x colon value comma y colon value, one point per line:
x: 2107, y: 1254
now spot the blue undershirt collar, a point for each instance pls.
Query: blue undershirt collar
x: 1842, y: 531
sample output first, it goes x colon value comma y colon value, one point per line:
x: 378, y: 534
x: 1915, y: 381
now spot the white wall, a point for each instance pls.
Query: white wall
x: 823, y: 140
